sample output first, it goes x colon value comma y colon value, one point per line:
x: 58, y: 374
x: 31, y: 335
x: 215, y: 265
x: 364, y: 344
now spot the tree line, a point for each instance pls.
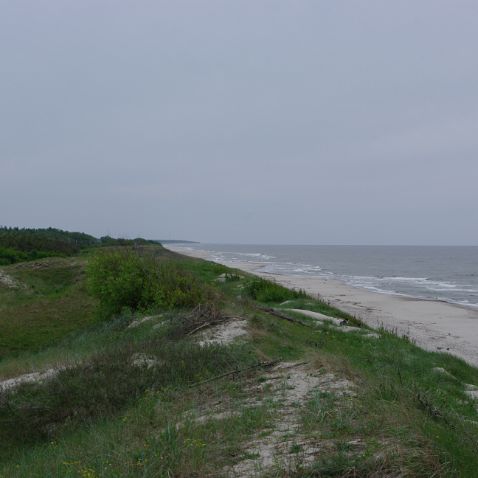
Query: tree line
x: 23, y: 244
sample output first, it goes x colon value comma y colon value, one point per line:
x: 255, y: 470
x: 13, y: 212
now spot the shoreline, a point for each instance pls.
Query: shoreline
x: 434, y: 325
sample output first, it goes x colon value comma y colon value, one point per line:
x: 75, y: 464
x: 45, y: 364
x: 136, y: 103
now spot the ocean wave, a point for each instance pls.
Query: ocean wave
x: 462, y: 292
x: 430, y: 284
x: 417, y: 287
x: 255, y: 255
x: 291, y: 268
x: 465, y: 303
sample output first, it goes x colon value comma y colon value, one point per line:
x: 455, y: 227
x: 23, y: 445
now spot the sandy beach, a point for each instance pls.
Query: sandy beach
x: 433, y: 325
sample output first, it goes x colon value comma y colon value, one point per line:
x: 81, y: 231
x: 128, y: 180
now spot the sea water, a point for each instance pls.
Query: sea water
x: 430, y: 272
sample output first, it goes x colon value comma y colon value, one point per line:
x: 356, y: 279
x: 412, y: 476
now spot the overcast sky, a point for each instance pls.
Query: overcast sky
x: 320, y: 122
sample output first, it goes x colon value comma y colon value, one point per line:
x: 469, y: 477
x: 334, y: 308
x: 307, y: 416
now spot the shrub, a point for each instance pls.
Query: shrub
x: 11, y: 256
x: 122, y: 278
x: 178, y: 288
x: 267, y: 291
x: 128, y: 278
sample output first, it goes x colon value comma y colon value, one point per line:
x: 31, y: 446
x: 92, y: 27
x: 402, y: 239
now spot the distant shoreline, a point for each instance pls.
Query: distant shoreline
x: 175, y: 241
x: 434, y: 325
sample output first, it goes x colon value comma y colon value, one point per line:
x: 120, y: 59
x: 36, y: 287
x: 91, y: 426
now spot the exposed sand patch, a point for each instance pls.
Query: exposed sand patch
x: 8, y: 281
x: 144, y: 361
x: 204, y: 415
x: 142, y: 320
x: 290, y: 385
x: 223, y: 334
x: 471, y: 391
x: 32, y: 377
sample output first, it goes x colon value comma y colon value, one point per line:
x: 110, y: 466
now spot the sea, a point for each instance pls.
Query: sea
x: 446, y: 273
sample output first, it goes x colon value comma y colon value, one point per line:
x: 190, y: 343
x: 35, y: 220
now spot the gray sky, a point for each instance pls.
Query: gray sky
x: 242, y: 121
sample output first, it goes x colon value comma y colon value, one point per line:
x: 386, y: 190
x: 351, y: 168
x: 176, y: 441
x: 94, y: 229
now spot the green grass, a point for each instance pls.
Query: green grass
x: 50, y: 303
x: 267, y: 291
x: 145, y: 441
x: 105, y: 385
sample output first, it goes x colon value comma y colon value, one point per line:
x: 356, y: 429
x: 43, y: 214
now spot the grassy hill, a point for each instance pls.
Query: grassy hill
x: 150, y: 364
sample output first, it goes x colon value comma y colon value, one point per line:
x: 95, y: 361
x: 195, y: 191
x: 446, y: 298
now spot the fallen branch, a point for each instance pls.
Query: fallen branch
x: 294, y: 365
x: 205, y: 324
x: 217, y: 377
x: 223, y: 319
x: 233, y: 317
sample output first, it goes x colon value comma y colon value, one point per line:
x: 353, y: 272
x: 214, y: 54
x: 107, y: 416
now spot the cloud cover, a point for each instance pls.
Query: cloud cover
x: 340, y: 122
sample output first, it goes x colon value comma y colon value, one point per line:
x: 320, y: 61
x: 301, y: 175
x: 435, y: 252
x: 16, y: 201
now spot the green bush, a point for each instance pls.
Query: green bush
x: 9, y: 255
x: 128, y: 278
x: 178, y: 288
x: 264, y: 290
x: 122, y: 278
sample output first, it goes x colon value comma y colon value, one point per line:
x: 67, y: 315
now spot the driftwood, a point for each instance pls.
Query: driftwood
x: 275, y: 313
x: 218, y: 377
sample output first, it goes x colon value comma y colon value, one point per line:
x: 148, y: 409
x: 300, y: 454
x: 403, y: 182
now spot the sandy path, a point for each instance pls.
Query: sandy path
x: 433, y: 325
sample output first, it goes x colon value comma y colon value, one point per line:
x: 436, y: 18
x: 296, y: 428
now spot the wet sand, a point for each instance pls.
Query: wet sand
x: 433, y: 325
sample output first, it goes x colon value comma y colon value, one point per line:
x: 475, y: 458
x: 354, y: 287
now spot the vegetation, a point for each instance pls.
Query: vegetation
x: 9, y: 255
x: 264, y: 290
x: 18, y: 245
x: 130, y: 278
x: 47, y: 301
x: 104, y: 386
x: 25, y: 244
x: 135, y: 393
x: 122, y: 278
